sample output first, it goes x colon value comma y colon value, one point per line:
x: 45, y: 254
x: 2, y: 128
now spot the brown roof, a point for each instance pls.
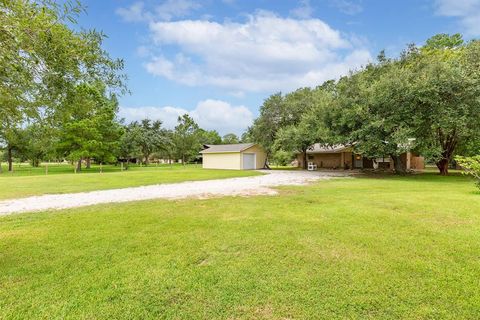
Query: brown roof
x: 225, y: 148
x: 322, y: 148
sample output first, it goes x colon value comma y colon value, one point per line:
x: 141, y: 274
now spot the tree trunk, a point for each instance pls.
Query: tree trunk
x: 448, y: 143
x: 88, y: 163
x: 183, y: 160
x: 399, y: 165
x: 146, y: 159
x: 79, y: 165
x: 442, y: 166
x: 10, y: 159
x: 304, y: 156
x: 36, y: 162
x: 266, y: 166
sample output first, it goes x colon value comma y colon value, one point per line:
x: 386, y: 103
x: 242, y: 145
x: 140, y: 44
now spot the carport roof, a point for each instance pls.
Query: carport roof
x: 224, y: 148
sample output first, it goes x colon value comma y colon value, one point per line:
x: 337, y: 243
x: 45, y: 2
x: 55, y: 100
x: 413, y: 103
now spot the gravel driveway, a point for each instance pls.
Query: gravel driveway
x: 257, y: 185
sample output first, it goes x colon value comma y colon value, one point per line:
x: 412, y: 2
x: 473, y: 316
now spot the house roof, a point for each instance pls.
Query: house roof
x: 226, y: 148
x: 322, y: 148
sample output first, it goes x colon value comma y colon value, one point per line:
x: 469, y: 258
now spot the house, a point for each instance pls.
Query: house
x: 344, y: 157
x: 241, y: 156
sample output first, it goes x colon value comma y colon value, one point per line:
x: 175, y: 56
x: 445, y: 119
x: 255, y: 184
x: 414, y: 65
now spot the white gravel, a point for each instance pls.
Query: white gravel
x: 257, y: 185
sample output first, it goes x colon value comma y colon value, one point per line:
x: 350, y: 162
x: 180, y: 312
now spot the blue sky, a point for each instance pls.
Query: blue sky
x: 219, y: 59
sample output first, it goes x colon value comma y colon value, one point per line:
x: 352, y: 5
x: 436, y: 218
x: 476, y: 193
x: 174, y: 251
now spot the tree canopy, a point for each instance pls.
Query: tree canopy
x: 426, y: 100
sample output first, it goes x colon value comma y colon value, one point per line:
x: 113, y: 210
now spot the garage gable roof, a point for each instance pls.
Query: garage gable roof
x: 224, y: 148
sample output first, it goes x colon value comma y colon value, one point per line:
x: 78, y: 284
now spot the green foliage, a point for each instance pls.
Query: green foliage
x: 43, y: 61
x: 37, y: 142
x: 471, y: 166
x: 426, y: 100
x: 444, y: 41
x: 186, y: 138
x: 129, y: 147
x: 292, y: 122
x: 273, y: 115
x: 209, y: 137
x: 90, y: 128
x: 282, y: 157
x: 230, y: 138
x: 149, y: 137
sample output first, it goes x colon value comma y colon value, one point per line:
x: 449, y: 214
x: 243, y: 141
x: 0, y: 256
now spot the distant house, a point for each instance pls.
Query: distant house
x: 241, y: 156
x: 344, y: 157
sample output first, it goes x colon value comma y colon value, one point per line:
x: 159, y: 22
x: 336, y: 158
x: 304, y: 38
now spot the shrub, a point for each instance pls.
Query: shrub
x: 470, y: 166
x: 282, y: 158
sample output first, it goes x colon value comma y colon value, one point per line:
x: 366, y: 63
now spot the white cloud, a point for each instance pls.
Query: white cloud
x: 468, y: 11
x: 176, y: 8
x: 209, y: 114
x: 134, y: 13
x: 265, y: 53
x: 220, y: 115
x: 303, y: 11
x: 168, y: 114
x: 347, y: 6
x: 165, y: 11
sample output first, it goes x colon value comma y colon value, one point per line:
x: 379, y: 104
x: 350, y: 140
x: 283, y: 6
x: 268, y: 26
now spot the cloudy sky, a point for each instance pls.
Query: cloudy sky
x: 219, y: 59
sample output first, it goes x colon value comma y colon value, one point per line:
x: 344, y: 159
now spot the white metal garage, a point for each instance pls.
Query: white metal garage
x: 242, y: 156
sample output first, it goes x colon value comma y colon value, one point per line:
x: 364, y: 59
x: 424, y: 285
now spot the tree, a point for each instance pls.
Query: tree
x: 310, y: 128
x: 445, y: 93
x: 230, y: 138
x: 209, y: 137
x: 90, y: 129
x: 370, y: 113
x: 265, y: 127
x: 37, y: 143
x: 282, y: 157
x: 151, y: 137
x: 186, y: 139
x: 471, y: 166
x: 278, y: 112
x: 425, y: 100
x: 129, y: 147
x: 247, y: 136
x: 42, y: 60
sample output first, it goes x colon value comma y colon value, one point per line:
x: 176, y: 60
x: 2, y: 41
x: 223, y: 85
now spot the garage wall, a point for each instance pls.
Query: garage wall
x: 261, y: 156
x: 222, y: 161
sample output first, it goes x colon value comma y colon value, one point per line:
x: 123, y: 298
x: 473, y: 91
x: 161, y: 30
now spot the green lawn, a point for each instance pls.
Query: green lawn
x: 28, y: 181
x: 376, y: 247
x: 25, y: 169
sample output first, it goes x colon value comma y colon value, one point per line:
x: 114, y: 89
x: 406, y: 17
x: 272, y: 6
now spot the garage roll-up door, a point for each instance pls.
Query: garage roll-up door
x: 249, y: 161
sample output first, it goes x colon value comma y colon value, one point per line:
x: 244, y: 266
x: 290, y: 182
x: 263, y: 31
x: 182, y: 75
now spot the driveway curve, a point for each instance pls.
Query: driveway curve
x: 247, y: 186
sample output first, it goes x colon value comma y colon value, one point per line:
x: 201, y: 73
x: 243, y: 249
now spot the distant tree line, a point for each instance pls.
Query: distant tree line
x: 426, y: 100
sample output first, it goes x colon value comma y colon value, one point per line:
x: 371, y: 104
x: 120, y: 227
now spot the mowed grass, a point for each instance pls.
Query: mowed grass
x: 59, y: 180
x: 375, y: 247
